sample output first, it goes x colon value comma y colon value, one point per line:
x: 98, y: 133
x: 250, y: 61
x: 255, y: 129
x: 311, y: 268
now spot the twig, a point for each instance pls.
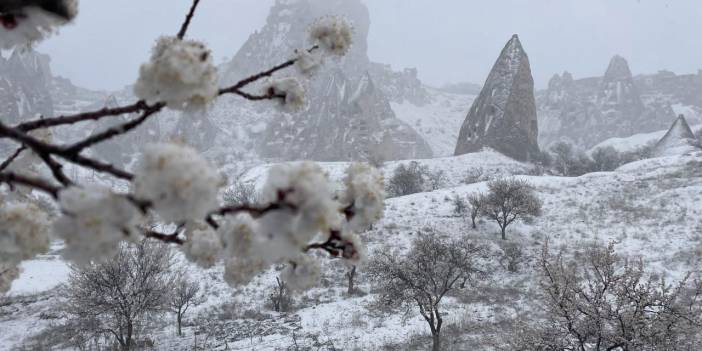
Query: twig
x: 188, y: 19
x: 81, y: 117
x: 12, y: 178
x: 12, y: 158
x: 114, y: 131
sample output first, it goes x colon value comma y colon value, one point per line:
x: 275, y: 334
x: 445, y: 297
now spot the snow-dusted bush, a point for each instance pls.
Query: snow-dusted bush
x: 181, y: 73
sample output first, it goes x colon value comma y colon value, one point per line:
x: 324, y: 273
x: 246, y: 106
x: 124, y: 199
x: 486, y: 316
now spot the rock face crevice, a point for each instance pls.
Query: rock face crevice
x: 503, y: 117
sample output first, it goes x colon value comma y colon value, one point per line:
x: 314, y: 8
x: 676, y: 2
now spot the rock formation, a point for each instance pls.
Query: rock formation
x: 349, y: 112
x: 678, y: 140
x: 25, y: 78
x: 503, y: 116
x: 591, y: 110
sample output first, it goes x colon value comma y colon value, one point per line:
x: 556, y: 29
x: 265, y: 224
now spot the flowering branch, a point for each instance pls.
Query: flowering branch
x: 178, y: 185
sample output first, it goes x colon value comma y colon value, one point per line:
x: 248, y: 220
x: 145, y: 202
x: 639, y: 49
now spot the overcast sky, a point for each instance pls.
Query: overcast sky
x: 447, y: 40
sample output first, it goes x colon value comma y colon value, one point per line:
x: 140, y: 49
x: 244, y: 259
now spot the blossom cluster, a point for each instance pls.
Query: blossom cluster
x: 22, y: 24
x: 24, y: 233
x: 304, y: 210
x: 181, y: 73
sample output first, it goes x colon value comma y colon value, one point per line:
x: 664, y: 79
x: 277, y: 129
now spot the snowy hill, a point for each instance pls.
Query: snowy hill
x: 650, y: 208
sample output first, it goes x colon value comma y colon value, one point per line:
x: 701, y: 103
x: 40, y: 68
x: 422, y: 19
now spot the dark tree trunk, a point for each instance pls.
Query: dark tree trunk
x: 180, y: 320
x: 472, y: 218
x: 436, y: 342
x: 350, y: 275
x: 504, y: 232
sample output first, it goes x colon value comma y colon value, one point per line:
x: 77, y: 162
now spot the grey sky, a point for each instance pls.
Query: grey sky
x: 447, y: 40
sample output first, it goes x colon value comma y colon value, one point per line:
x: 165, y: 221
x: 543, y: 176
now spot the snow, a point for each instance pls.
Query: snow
x: 650, y: 208
x: 636, y: 141
x: 438, y: 122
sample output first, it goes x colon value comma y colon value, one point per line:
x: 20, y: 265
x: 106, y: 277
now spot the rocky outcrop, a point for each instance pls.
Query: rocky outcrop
x: 350, y: 121
x: 678, y: 140
x: 503, y: 116
x: 349, y: 112
x: 25, y: 78
x: 591, y: 110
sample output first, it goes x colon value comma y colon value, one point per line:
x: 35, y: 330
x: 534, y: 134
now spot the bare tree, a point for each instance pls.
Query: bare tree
x: 185, y: 294
x: 241, y: 194
x: 408, y: 179
x: 477, y: 202
x: 117, y: 297
x: 350, y: 277
x: 509, y: 200
x: 606, y: 159
x: 433, y: 268
x: 602, y: 301
x: 280, y: 297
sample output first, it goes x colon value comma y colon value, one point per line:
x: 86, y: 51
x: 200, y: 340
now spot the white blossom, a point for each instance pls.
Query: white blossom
x: 178, y: 181
x: 302, y: 273
x: 305, y: 188
x: 31, y: 24
x: 239, y: 235
x: 307, y: 62
x: 203, y: 245
x: 240, y: 271
x: 242, y: 248
x: 24, y: 232
x: 365, y: 192
x: 292, y: 91
x: 181, y: 73
x: 94, y: 221
x: 333, y: 35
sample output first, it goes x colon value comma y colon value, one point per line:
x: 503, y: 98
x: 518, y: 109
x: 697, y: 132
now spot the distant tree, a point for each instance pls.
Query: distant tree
x: 433, y: 268
x: 184, y: 294
x: 562, y: 156
x: 350, y: 277
x: 407, y: 179
x: 600, y: 301
x: 240, y: 193
x: 280, y: 297
x: 116, y: 298
x: 509, y: 200
x: 460, y: 207
x: 477, y: 202
x: 513, y: 256
x: 606, y: 159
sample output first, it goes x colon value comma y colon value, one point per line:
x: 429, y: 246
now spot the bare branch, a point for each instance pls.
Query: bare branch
x: 81, y: 117
x: 188, y: 19
x: 12, y: 179
x: 12, y: 158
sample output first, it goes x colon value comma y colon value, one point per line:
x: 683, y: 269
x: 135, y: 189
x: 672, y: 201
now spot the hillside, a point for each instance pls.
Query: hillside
x: 616, y: 206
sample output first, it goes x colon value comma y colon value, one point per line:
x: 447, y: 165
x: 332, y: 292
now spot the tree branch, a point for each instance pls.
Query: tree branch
x: 12, y: 158
x: 12, y: 178
x: 188, y: 19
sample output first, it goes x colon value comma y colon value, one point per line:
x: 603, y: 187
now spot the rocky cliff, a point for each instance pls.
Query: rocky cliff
x: 349, y: 112
x: 591, y: 110
x: 503, y: 116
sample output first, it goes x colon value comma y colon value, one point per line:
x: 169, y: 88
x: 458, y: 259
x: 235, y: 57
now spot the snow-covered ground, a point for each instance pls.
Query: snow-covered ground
x: 438, y: 122
x: 650, y: 208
